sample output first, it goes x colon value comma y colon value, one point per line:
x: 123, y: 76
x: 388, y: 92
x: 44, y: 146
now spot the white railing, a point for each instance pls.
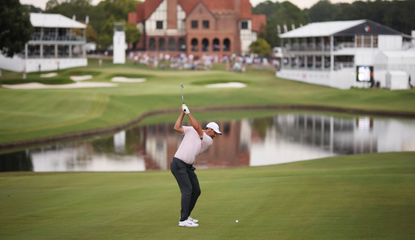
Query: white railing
x: 341, y: 65
x: 37, y: 37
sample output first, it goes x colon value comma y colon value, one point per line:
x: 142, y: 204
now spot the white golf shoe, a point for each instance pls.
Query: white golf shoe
x: 193, y: 220
x: 188, y: 223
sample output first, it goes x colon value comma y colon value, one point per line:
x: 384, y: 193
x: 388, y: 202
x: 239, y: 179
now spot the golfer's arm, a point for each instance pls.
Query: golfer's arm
x: 195, y: 125
x: 178, y: 125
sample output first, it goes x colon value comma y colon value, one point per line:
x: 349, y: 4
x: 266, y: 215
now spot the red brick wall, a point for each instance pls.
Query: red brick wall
x: 223, y: 16
x: 221, y: 26
x: 171, y: 14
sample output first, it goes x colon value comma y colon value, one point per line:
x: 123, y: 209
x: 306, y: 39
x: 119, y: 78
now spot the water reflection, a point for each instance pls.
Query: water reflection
x: 248, y: 142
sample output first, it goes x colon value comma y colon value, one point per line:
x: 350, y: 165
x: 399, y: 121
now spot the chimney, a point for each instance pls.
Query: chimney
x: 171, y: 14
x: 237, y: 8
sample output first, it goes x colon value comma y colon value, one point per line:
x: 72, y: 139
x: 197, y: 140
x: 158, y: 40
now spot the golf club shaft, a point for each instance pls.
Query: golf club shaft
x: 181, y: 89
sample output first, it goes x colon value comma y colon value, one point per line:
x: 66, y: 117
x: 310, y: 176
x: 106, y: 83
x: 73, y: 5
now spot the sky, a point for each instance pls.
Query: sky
x: 300, y: 3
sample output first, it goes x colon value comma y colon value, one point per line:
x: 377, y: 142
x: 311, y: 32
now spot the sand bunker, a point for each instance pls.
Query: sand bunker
x: 227, y: 85
x: 48, y: 75
x: 80, y: 78
x: 62, y: 86
x: 130, y: 80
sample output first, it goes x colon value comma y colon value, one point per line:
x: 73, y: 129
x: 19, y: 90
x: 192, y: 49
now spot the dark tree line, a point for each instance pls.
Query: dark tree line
x: 15, y: 27
x: 279, y: 14
x: 396, y: 14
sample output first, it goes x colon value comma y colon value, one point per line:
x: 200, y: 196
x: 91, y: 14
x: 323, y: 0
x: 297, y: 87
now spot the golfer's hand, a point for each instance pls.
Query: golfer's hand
x: 185, y: 109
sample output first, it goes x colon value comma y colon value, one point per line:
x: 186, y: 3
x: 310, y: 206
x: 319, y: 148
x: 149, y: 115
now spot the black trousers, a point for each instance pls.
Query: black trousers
x: 188, y: 183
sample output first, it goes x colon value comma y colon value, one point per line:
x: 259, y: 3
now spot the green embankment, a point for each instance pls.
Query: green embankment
x: 347, y: 197
x: 32, y: 114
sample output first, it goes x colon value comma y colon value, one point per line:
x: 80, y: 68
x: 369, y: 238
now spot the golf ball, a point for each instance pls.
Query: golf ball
x: 236, y: 221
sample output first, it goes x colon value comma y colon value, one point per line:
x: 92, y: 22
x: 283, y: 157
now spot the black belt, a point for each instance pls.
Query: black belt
x: 186, y: 164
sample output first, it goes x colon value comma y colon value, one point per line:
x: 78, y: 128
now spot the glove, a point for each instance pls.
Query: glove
x: 185, y: 109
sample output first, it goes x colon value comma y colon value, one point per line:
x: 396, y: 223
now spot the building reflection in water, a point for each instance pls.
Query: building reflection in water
x: 248, y: 142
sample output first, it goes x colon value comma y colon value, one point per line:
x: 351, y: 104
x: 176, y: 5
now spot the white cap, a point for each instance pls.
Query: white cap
x: 214, y: 126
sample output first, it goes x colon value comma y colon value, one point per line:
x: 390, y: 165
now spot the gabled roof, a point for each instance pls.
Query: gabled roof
x: 257, y: 21
x: 321, y: 29
x: 149, y: 7
x: 216, y: 5
x: 343, y: 28
x: 145, y: 9
x: 187, y: 5
x: 204, y: 6
x: 245, y: 11
x: 53, y: 21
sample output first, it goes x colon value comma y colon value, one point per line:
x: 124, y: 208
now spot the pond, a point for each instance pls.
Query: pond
x: 283, y: 138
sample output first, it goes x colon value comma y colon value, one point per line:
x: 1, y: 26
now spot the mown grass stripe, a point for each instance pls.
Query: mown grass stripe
x: 97, y: 106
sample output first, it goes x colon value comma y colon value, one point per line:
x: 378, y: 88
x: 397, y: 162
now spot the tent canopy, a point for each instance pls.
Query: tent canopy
x: 340, y: 28
x: 54, y: 21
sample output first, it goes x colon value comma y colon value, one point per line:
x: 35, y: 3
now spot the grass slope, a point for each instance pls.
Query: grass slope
x: 347, y: 197
x: 31, y: 114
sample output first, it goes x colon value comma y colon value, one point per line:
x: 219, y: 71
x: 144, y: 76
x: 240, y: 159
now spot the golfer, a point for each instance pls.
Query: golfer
x: 195, y: 142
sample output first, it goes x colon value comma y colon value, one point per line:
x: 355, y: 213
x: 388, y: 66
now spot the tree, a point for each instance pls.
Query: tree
x: 118, y: 8
x: 15, y: 28
x: 260, y: 47
x: 396, y: 14
x: 32, y: 8
x: 91, y: 34
x: 132, y: 34
x: 105, y: 37
x: 323, y: 11
x: 266, y: 7
x: 282, y: 13
x: 99, y: 16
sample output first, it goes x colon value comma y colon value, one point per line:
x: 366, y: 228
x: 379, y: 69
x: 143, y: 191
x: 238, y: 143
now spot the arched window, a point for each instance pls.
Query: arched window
x: 162, y: 44
x: 152, y: 44
x: 182, y: 44
x: 172, y: 44
x: 216, y: 45
x: 195, y: 45
x: 205, y: 45
x: 226, y: 45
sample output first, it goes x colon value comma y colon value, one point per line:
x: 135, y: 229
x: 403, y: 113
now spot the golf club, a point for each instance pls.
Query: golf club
x: 181, y: 85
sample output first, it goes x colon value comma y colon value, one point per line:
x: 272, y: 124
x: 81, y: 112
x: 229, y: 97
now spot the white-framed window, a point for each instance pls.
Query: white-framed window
x: 152, y: 25
x: 244, y: 25
x: 159, y: 24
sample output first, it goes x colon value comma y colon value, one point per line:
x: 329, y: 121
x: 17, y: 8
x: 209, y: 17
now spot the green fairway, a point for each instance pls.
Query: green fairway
x: 32, y: 114
x: 348, y: 197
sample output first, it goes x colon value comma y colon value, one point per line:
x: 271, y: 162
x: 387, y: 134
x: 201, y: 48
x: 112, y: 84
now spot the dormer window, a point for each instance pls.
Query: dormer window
x: 159, y: 25
x: 244, y: 25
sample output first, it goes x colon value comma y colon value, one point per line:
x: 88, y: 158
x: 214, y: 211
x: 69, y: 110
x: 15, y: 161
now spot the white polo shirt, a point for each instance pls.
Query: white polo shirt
x: 192, y: 146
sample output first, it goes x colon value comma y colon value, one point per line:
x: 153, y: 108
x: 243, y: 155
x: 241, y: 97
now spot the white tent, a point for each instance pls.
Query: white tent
x: 395, y: 58
x: 393, y: 61
x: 397, y: 80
